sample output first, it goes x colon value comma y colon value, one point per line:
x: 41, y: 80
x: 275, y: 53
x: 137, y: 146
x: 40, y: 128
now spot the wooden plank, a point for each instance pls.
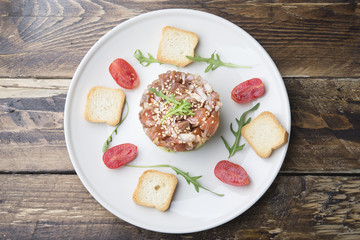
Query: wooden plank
x: 31, y: 125
x: 325, y: 124
x: 33, y: 87
x: 49, y: 39
x: 295, y: 207
x: 324, y: 138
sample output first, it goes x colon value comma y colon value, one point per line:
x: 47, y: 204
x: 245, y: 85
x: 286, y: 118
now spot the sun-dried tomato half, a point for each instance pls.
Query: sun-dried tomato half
x: 248, y: 90
x: 119, y: 155
x: 124, y: 74
x: 231, y: 173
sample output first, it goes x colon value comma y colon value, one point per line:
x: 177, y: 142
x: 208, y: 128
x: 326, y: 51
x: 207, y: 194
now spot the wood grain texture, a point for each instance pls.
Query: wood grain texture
x: 316, y: 46
x: 295, y: 207
x: 49, y: 38
x: 325, y: 125
x: 31, y: 125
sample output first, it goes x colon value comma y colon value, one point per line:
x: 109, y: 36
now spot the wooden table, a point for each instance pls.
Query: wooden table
x: 316, y: 46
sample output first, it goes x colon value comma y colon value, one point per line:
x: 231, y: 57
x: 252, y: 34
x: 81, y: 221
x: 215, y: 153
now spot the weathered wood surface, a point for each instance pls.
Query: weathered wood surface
x: 49, y: 38
x: 324, y: 138
x: 316, y: 46
x: 295, y: 207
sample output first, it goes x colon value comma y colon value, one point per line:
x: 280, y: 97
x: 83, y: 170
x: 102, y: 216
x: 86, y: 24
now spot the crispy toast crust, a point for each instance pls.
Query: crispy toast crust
x: 155, y: 189
x: 100, y: 109
x: 265, y: 134
x: 175, y: 44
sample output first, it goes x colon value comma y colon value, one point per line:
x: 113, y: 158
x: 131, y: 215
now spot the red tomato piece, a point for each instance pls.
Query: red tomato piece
x: 231, y: 173
x: 124, y: 74
x: 119, y: 155
x: 248, y: 90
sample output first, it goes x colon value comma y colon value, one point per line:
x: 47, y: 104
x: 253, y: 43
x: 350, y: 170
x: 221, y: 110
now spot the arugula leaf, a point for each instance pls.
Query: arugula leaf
x: 188, y: 178
x: 145, y: 61
x: 109, y: 139
x: 162, y: 95
x: 241, y: 122
x: 180, y: 108
x: 213, y: 62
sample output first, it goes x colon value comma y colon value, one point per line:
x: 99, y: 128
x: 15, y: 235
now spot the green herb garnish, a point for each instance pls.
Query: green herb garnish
x: 109, y: 139
x: 213, y: 62
x: 145, y: 61
x: 180, y: 108
x: 241, y: 122
x: 186, y: 175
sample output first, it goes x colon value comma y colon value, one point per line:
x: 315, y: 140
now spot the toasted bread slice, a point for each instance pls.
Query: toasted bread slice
x: 104, y: 105
x: 155, y: 189
x: 175, y: 44
x: 264, y: 134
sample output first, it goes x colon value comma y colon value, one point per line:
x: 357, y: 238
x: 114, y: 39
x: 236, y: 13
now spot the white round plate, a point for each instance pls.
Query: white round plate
x: 190, y: 211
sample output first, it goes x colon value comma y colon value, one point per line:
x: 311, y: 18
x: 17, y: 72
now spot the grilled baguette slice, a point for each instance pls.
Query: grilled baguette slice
x: 104, y: 105
x: 264, y: 134
x: 155, y: 189
x: 175, y: 44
